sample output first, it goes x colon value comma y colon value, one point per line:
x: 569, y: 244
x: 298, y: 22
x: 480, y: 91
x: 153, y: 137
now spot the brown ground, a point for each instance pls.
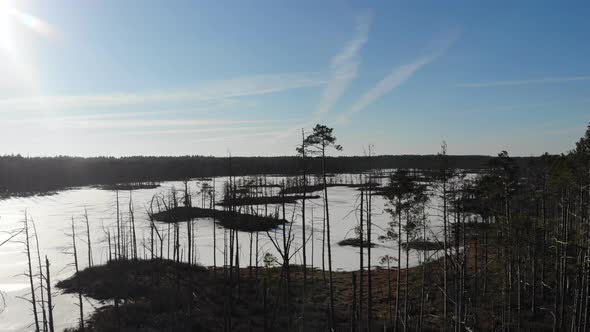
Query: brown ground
x: 154, y: 295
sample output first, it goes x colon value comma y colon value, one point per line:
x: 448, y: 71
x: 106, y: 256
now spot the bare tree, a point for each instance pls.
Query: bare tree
x: 49, y: 295
x: 43, y: 312
x: 75, y: 252
x: 132, y: 219
x: 30, y: 273
x: 285, y: 251
x: 89, y: 242
x: 118, y: 247
x: 302, y: 151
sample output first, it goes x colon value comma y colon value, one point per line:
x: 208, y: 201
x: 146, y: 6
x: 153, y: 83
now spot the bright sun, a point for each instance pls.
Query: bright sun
x: 19, y: 29
x: 6, y: 26
x: 12, y: 18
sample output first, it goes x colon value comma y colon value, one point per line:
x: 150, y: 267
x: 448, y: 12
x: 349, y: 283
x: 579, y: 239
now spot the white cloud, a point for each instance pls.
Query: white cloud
x: 215, y: 90
x: 234, y: 137
x: 524, y: 82
x: 177, y: 131
x: 344, y: 66
x: 131, y: 124
x: 396, y: 78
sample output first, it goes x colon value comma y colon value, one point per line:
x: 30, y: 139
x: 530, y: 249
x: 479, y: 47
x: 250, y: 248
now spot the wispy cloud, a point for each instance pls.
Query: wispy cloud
x: 396, y: 77
x: 503, y: 109
x: 343, y: 70
x: 524, y: 82
x: 235, y: 137
x: 215, y: 90
x: 132, y: 124
x: 232, y: 129
x: 344, y: 66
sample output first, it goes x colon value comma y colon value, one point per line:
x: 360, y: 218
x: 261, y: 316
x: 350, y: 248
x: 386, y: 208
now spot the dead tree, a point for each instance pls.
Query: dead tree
x: 30, y: 274
x: 77, y: 276
x: 49, y: 295
x: 118, y: 247
x: 302, y: 151
x: 361, y: 259
x: 285, y: 252
x: 43, y: 312
x: 154, y: 229
x: 444, y: 179
x: 132, y: 219
x: 89, y: 242
x: 369, y: 231
x: 212, y: 206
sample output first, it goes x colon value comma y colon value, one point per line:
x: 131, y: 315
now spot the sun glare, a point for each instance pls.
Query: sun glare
x: 15, y: 43
x: 13, y: 19
x: 6, y: 26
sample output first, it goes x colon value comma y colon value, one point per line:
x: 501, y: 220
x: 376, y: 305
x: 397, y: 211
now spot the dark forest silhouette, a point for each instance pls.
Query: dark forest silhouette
x: 26, y: 175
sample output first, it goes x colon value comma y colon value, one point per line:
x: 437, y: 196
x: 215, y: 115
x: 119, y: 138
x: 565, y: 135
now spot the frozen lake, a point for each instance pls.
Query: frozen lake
x: 53, y: 217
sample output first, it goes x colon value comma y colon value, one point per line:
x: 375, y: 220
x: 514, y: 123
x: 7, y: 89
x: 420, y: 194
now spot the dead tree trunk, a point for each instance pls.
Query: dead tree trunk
x: 90, y: 263
x: 303, y: 207
x: 118, y: 251
x: 399, y: 266
x: 28, y: 252
x: 49, y: 300
x: 43, y: 312
x: 77, y: 276
x: 361, y: 259
x: 369, y: 279
x: 132, y: 218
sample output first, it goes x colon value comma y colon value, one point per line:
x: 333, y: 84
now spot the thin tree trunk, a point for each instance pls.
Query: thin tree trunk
x: 369, y: 279
x: 399, y: 266
x: 90, y: 263
x: 212, y: 206
x: 332, y: 322
x: 78, y: 277
x: 49, y: 300
x: 43, y: 312
x: 407, y: 286
x: 28, y: 251
x: 118, y: 254
x: 361, y: 258
x: 353, y: 323
x: 423, y: 281
x: 303, y: 209
x: 132, y: 218
x: 445, y: 265
x: 324, y: 247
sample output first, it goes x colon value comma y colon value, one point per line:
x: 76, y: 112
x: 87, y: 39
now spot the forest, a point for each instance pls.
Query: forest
x: 28, y: 175
x: 504, y: 248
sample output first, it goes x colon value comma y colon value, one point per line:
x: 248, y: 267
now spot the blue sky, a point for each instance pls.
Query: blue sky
x: 207, y: 77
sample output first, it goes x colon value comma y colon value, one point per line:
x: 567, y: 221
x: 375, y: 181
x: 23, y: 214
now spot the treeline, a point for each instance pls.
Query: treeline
x: 40, y: 174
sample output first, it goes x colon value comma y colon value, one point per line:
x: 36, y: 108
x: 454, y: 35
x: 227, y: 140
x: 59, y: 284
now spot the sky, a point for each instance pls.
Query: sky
x: 119, y: 78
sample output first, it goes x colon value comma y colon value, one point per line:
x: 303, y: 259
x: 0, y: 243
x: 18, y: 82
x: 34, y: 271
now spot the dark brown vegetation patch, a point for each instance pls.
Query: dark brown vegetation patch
x: 422, y: 245
x: 261, y: 200
x: 161, y: 295
x: 227, y: 219
x: 318, y: 187
x: 356, y: 242
x: 130, y: 186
